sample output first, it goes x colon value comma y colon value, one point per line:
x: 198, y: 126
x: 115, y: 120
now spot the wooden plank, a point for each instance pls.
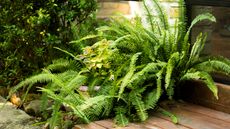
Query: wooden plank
x: 88, y: 126
x: 163, y: 124
x: 108, y: 124
x: 137, y: 126
x: 195, y: 120
x: 190, y: 117
x: 198, y: 93
x: 205, y: 111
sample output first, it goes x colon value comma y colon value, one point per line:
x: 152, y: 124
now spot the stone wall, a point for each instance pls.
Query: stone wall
x: 108, y: 9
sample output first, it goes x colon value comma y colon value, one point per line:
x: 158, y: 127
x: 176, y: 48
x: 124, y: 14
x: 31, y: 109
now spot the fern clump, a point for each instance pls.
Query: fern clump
x: 129, y: 69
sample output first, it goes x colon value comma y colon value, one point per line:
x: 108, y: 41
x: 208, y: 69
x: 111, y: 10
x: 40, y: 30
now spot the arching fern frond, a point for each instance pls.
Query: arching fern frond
x: 220, y: 65
x: 201, y: 17
x: 197, y: 48
x: 128, y: 76
x: 151, y: 99
x: 61, y: 99
x: 144, y: 74
x: 205, y: 77
x: 161, y: 15
x: 40, y: 78
x: 139, y: 105
x: 120, y: 118
x: 173, y: 61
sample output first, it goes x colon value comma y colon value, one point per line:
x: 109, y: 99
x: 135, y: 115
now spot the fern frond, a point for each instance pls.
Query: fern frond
x: 181, y: 20
x: 151, y: 99
x: 170, y: 89
x: 40, y: 78
x: 197, y: 48
x: 201, y: 17
x: 63, y: 64
x: 92, y: 101
x: 142, y: 75
x: 70, y: 54
x: 159, y: 81
x: 220, y: 65
x: 129, y: 75
x: 174, y: 59
x: 167, y: 44
x: 120, y: 117
x: 139, y: 105
x: 161, y: 15
x: 56, y: 115
x: 149, y: 16
x: 169, y: 114
x: 76, y: 82
x: 61, y: 99
x: 85, y: 38
x: 205, y: 77
x: 58, y: 64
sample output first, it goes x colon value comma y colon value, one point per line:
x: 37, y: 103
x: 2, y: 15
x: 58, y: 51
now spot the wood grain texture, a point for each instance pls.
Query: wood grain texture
x: 197, y: 92
x: 195, y: 120
x: 190, y: 117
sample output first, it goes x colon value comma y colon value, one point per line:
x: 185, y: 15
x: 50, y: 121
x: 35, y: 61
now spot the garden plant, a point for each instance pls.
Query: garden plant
x: 127, y: 71
x: 31, y: 28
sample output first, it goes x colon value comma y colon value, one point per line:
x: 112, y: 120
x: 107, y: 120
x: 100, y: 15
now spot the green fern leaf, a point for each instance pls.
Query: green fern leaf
x: 76, y: 82
x: 220, y: 65
x: 201, y: 17
x: 161, y: 14
x: 205, y: 77
x: 129, y: 75
x: 174, y: 59
x: 139, y: 105
x: 151, y: 99
x: 120, y: 117
x: 92, y: 101
x: 40, y: 78
x: 169, y: 114
x: 197, y: 48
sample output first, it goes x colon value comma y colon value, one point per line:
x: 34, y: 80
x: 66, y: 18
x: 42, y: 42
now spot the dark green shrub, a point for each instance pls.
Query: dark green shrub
x: 29, y: 29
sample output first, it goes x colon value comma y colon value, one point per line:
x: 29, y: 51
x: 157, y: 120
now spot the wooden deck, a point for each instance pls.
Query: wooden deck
x: 190, y: 117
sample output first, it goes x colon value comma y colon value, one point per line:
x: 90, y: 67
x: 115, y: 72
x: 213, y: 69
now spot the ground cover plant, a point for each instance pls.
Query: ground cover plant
x: 30, y: 29
x: 129, y: 69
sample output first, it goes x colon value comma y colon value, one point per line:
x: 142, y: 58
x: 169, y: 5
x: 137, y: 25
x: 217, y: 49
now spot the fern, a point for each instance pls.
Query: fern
x: 56, y: 116
x: 139, y: 105
x: 201, y: 17
x: 161, y: 15
x: 92, y: 101
x: 214, y: 65
x: 120, y: 117
x: 129, y: 75
x: 166, y: 113
x: 151, y: 99
x: 144, y: 74
x: 170, y: 67
x: 205, y: 77
x: 60, y: 99
x: 197, y: 48
x: 41, y: 78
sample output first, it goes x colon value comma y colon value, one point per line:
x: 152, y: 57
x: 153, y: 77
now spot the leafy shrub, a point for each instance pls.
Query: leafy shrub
x: 30, y: 29
x: 134, y: 66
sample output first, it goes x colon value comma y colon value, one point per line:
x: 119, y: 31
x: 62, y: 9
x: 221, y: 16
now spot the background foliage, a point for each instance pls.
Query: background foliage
x: 29, y: 29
